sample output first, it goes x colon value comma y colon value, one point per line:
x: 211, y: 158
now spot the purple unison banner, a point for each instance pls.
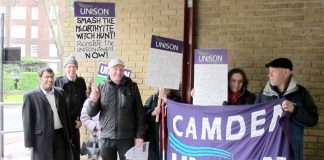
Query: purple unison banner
x: 242, y: 132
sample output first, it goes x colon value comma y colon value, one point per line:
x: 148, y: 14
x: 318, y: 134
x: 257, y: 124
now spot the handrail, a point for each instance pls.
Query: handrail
x: 8, y: 104
x: 6, y: 132
x: 2, y: 132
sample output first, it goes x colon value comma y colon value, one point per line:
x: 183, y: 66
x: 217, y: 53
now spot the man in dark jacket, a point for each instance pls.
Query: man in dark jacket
x: 298, y: 102
x: 75, y: 90
x: 46, y: 122
x: 121, y: 112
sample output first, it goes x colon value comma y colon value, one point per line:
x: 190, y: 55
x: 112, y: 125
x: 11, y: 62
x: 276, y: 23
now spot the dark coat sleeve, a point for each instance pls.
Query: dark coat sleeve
x: 27, y: 121
x: 139, y: 113
x: 83, y: 93
x: 149, y: 105
x: 307, y: 113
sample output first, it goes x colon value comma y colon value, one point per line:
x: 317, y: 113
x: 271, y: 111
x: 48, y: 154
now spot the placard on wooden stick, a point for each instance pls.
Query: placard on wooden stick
x: 164, y: 65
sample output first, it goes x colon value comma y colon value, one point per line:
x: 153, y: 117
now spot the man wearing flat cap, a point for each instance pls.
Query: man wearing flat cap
x: 298, y: 102
x: 121, y: 113
x: 75, y: 90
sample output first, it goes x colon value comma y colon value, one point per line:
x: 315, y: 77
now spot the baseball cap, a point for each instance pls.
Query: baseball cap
x: 114, y: 62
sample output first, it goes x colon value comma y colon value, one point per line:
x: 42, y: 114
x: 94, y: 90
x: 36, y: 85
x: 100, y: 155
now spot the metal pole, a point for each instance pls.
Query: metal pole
x: 189, y: 43
x: 1, y: 82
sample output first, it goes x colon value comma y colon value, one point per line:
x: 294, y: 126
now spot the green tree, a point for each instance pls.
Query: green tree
x: 31, y: 64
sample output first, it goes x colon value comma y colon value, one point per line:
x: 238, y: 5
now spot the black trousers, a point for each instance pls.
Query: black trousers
x: 76, y: 144
x: 59, y: 146
x: 110, y: 147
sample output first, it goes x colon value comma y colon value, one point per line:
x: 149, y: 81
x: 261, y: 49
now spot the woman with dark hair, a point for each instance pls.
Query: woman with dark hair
x: 238, y: 94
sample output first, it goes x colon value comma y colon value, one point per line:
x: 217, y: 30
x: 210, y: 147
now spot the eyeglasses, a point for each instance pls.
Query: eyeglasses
x: 48, y: 77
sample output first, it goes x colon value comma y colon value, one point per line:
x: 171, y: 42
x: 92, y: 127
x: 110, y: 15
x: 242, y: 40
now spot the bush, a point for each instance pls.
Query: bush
x: 32, y: 64
x: 8, y: 82
x: 28, y: 80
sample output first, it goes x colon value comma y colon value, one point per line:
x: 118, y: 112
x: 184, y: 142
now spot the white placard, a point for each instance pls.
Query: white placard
x: 210, y: 77
x: 163, y: 69
x: 164, y: 65
x: 94, y: 30
x: 138, y: 152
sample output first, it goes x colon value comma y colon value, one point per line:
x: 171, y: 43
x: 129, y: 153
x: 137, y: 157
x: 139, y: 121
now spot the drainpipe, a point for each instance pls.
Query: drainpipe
x: 188, y: 58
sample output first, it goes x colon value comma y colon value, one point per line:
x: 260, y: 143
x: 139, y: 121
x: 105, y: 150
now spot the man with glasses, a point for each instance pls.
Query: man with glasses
x: 46, y: 120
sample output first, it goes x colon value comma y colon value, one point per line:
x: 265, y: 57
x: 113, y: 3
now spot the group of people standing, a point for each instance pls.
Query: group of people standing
x: 281, y: 84
x: 52, y: 113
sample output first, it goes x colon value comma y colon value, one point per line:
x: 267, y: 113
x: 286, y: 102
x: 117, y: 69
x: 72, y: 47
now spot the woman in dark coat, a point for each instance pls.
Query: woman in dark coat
x: 41, y: 129
x: 238, y: 94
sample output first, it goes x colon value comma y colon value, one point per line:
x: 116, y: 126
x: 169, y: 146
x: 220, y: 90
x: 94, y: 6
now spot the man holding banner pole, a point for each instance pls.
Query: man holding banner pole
x: 298, y: 102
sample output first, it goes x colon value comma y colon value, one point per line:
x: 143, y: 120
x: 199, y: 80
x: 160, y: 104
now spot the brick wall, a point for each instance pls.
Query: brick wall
x: 136, y: 22
x: 257, y: 31
x: 254, y: 31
